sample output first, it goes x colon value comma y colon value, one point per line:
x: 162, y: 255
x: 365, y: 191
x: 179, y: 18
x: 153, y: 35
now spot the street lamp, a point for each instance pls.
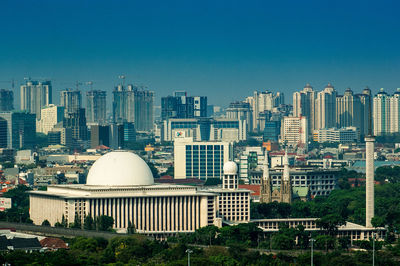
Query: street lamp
x: 189, y: 251
x: 312, y: 251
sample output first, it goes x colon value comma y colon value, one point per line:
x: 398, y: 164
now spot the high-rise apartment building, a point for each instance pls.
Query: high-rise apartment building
x: 71, y: 100
x: 304, y: 106
x: 96, y: 107
x: 325, y: 108
x: 182, y: 106
x: 6, y: 100
x: 35, y: 95
x: 51, y: 115
x: 386, y: 113
x: 348, y: 110
x: 366, y: 110
x: 263, y: 101
x: 133, y: 105
x: 294, y: 131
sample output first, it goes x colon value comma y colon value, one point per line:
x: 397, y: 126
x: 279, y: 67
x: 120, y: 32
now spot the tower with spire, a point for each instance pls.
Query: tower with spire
x: 286, y: 185
x: 266, y: 184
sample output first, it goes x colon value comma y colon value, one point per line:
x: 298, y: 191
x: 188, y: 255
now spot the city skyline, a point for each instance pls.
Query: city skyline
x: 206, y: 48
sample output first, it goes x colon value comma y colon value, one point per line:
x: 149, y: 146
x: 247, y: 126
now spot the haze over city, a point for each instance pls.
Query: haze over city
x: 207, y: 47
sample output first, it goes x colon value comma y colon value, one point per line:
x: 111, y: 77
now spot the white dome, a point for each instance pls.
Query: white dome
x: 120, y: 168
x: 230, y: 168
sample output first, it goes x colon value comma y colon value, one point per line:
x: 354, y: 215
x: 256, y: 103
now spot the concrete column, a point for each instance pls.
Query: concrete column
x: 369, y: 186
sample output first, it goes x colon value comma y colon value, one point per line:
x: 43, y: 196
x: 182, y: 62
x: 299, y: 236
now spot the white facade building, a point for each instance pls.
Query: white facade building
x: 294, y: 131
x: 325, y: 108
x: 341, y: 135
x: 304, y: 106
x: 50, y: 116
x: 386, y: 113
x: 194, y: 159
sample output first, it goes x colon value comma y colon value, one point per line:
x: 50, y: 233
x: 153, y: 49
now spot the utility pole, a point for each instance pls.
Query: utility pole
x: 373, y: 249
x: 312, y: 251
x: 189, y: 251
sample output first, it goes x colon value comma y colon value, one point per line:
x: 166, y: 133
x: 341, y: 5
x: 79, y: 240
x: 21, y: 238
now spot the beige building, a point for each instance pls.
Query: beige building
x: 294, y: 131
x: 50, y: 116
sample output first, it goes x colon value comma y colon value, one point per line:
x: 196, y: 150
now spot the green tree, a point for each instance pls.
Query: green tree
x: 104, y: 223
x: 330, y: 223
x: 46, y: 223
x: 88, y: 223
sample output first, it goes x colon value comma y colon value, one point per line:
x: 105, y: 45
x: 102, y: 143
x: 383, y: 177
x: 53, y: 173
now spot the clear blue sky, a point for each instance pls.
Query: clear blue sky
x: 222, y: 49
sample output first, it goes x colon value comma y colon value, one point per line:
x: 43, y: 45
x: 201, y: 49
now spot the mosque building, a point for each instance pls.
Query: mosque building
x: 120, y: 185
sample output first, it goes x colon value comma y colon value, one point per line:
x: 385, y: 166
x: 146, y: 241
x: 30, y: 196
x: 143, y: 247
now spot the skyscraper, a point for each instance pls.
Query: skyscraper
x: 348, y: 110
x: 6, y: 100
x: 294, y: 131
x: 366, y: 112
x: 386, y: 113
x: 35, y: 95
x: 304, y: 106
x: 96, y: 107
x: 21, y: 128
x: 133, y: 105
x: 71, y: 100
x: 325, y: 108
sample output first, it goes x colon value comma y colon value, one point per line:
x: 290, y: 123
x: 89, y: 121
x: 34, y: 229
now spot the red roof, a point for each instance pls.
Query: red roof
x: 53, y: 243
x: 102, y: 147
x: 255, y: 188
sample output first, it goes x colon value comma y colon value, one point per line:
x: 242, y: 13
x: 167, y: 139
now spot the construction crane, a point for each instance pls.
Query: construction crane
x: 9, y: 81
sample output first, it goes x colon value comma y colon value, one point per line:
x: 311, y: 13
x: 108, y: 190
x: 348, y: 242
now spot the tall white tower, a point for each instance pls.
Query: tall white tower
x: 370, y: 172
x: 369, y: 163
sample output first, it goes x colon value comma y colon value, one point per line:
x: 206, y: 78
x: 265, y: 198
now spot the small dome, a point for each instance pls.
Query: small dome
x: 120, y: 168
x: 230, y: 168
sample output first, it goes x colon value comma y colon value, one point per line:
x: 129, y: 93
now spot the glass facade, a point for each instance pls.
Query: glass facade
x: 204, y: 161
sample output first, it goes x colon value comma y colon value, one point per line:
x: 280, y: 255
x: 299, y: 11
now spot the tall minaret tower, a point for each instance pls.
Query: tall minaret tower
x: 286, y: 186
x: 370, y: 169
x: 266, y: 186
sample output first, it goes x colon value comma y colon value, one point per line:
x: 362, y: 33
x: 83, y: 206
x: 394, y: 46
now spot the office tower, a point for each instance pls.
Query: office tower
x: 76, y: 121
x: 129, y: 131
x: 96, y: 107
x: 64, y: 133
x: 294, y: 131
x: 200, y: 160
x: 116, y: 136
x: 325, y: 108
x: 51, y: 115
x: 71, y: 100
x: 3, y: 133
x: 99, y: 135
x: 240, y: 111
x: 250, y: 159
x: 35, y: 95
x: 304, y: 106
x: 366, y: 112
x: 6, y: 100
x: 272, y: 130
x: 182, y: 106
x: 263, y: 101
x: 21, y: 129
x: 133, y: 105
x: 54, y: 137
x: 348, y: 110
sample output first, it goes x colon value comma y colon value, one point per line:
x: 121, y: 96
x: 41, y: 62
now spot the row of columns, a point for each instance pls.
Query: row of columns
x: 174, y: 213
